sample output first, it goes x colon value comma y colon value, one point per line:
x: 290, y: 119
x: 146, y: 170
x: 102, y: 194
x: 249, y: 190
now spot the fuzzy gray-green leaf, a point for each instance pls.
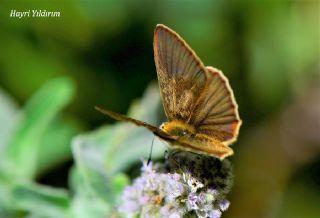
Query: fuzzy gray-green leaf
x: 38, y: 113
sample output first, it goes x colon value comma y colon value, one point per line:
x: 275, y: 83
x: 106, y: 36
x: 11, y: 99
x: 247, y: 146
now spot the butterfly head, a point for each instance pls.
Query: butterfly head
x: 177, y: 128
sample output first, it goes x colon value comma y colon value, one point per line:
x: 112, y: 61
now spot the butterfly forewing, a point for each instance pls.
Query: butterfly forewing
x: 216, y: 114
x: 181, y: 74
x: 122, y: 117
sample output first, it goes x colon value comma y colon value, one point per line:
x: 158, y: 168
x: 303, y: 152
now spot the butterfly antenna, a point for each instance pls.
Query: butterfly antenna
x: 150, y: 154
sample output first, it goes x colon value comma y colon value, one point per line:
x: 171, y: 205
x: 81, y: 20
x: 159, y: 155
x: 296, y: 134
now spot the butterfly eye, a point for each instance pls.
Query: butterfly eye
x: 175, y: 131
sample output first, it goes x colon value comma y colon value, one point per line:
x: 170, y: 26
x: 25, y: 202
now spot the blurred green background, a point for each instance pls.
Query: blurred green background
x: 53, y: 71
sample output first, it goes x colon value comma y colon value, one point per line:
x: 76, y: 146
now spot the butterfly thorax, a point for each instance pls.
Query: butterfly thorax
x: 177, y: 128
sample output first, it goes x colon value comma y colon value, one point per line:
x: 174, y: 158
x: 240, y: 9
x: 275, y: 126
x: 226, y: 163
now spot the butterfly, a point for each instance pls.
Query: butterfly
x: 198, y: 101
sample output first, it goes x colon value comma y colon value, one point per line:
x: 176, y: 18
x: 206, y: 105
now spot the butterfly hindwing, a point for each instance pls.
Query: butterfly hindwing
x: 181, y: 74
x: 216, y: 114
x: 204, y: 144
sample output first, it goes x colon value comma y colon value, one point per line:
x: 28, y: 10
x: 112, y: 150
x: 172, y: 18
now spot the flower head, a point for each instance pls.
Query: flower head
x: 174, y: 191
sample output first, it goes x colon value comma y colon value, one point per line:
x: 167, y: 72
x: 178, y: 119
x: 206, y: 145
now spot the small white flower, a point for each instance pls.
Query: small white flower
x: 194, y: 184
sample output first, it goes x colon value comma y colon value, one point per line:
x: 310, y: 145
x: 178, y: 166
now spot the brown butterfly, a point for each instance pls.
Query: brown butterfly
x: 198, y: 101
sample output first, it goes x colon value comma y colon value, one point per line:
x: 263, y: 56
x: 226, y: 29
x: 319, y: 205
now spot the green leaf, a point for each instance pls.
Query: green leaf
x: 18, y: 198
x: 56, y: 143
x: 38, y: 113
x: 90, y: 164
x: 8, y: 118
x: 119, y: 182
x: 85, y: 202
x: 40, y: 201
x: 6, y: 204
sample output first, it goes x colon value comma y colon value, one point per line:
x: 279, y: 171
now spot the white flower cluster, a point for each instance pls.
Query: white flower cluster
x: 170, y: 195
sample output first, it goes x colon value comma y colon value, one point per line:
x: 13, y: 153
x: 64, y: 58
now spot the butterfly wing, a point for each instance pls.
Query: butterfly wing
x: 181, y: 74
x: 197, y: 95
x: 204, y: 144
x: 121, y: 117
x: 216, y: 114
